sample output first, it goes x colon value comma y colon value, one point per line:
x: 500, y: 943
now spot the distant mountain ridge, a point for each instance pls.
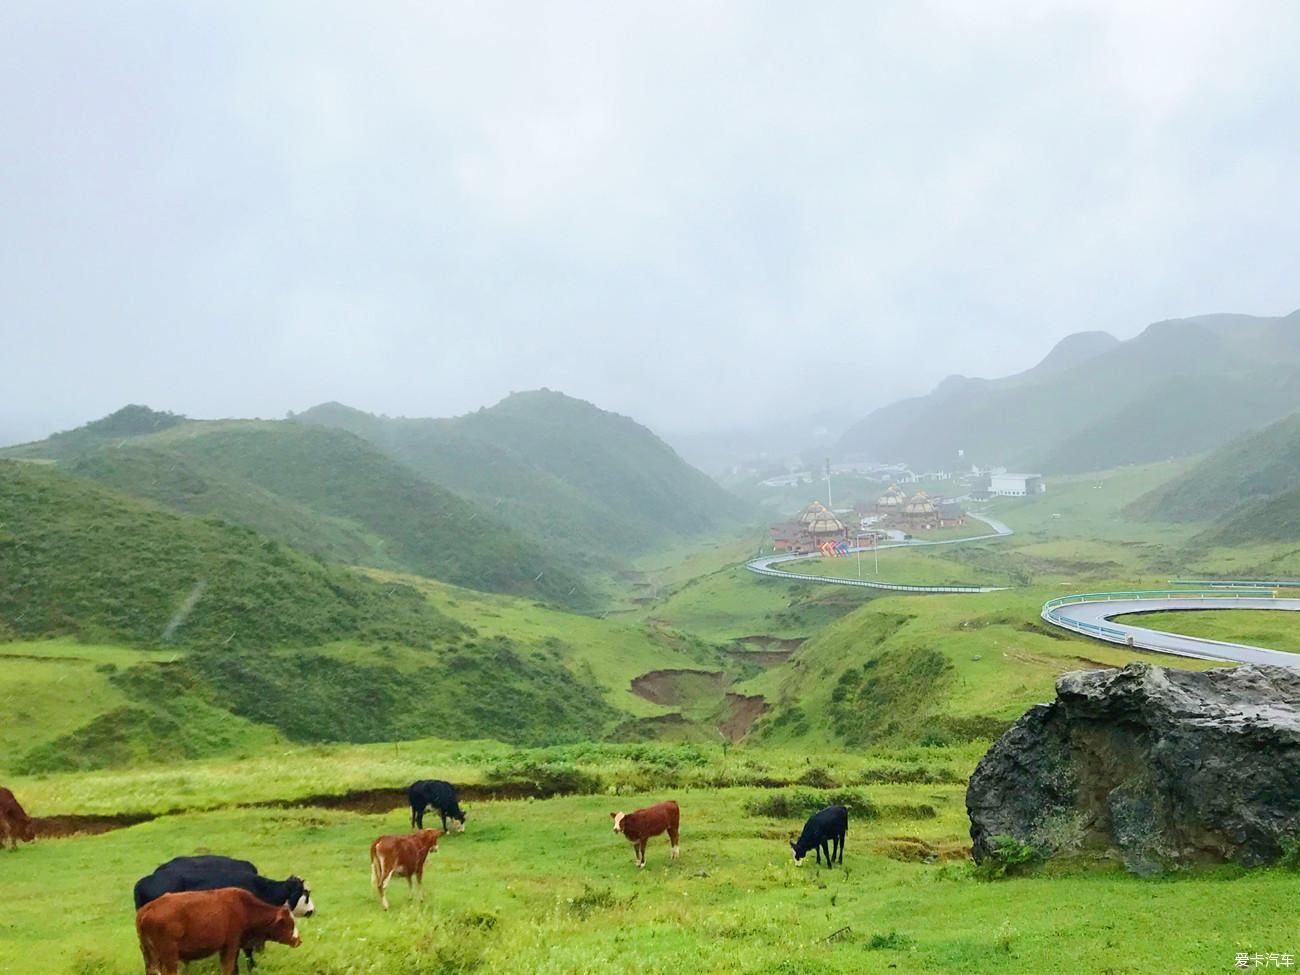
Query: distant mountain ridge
x: 584, y: 480
x: 1180, y: 387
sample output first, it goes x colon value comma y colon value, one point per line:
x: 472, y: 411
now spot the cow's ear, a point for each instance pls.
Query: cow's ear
x: 613, y: 815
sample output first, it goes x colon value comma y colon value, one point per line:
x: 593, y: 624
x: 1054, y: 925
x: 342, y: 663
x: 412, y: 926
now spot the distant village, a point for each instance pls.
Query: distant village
x: 895, y: 513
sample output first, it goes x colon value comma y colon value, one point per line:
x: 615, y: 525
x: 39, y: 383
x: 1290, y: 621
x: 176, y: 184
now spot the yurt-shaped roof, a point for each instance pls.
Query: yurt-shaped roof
x: 817, y: 519
x: 920, y: 504
x: 827, y: 524
x: 813, y: 512
x: 892, y: 498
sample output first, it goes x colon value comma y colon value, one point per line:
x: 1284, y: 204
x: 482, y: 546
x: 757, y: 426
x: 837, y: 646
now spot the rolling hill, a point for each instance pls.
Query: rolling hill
x: 582, y: 479
x: 324, y: 491
x: 77, y: 559
x: 177, y: 637
x: 1180, y: 387
x: 1249, y: 486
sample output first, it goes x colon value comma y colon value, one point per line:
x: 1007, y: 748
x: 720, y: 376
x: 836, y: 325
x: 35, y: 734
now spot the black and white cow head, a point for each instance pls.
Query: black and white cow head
x: 298, y: 897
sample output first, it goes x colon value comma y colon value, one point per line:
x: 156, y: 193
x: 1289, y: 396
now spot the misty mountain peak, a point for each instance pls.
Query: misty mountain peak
x: 1076, y: 348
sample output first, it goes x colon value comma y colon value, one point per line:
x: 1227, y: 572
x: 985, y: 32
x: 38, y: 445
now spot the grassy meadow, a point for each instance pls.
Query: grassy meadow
x: 882, y: 701
x: 547, y: 887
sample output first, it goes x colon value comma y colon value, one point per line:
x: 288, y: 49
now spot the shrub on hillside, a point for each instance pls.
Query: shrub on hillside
x: 802, y: 803
x: 546, y: 779
x: 910, y: 775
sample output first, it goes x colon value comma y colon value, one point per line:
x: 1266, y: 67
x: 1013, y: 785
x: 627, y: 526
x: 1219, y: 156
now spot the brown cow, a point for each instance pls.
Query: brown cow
x: 403, y: 856
x: 15, y: 824
x: 645, y: 823
x: 186, y: 926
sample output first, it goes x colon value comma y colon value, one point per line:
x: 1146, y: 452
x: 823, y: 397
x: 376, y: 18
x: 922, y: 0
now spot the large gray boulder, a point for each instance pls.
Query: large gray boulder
x: 1161, y: 767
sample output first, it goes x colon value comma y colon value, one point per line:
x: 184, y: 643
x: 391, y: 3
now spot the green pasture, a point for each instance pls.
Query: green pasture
x: 547, y: 887
x: 611, y: 651
x: 1275, y: 629
x: 734, y: 603
x: 1089, y: 505
x: 918, y: 566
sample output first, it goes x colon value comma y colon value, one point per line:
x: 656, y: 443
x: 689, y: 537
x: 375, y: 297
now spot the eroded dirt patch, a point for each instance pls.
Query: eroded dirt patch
x: 740, y: 711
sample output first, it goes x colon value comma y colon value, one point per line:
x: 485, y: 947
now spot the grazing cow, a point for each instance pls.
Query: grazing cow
x: 824, y: 833
x: 442, y: 797
x: 402, y: 856
x: 645, y: 823
x: 184, y: 927
x: 15, y: 824
x: 213, y: 872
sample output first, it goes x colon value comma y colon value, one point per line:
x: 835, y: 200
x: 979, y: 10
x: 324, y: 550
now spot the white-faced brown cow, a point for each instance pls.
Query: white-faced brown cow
x: 649, y: 822
x: 15, y: 824
x: 401, y: 856
x: 187, y: 926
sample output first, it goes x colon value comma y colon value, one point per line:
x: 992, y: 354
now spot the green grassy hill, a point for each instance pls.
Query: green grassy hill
x: 78, y: 559
x: 928, y: 669
x: 1237, y: 477
x: 244, y: 641
x: 1275, y: 519
x: 1180, y: 387
x: 324, y: 491
x: 585, y: 480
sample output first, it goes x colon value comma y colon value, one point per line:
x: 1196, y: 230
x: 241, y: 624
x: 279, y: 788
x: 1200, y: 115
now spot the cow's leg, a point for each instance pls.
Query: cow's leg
x: 383, y: 888
x: 229, y: 958
x: 640, y: 853
x: 252, y: 962
x: 842, y: 838
x: 167, y: 961
x: 150, y: 961
x: 826, y: 848
x: 674, y: 838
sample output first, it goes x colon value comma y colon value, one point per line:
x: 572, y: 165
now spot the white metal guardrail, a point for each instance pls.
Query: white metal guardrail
x: 763, y: 565
x: 1131, y: 601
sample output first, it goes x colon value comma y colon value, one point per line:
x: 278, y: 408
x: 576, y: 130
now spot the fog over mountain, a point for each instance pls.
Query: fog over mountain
x: 704, y: 216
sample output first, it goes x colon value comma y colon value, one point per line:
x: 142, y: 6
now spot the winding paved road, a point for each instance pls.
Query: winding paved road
x: 1092, y: 614
x: 763, y: 565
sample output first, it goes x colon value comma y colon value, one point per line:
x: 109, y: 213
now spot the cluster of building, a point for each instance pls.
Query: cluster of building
x: 920, y: 512
x: 817, y: 525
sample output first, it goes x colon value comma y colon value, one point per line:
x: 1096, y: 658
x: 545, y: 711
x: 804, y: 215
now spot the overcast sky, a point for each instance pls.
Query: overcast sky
x: 696, y: 213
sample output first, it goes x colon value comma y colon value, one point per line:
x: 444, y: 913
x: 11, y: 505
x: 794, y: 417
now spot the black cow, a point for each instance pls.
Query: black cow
x: 442, y: 797
x: 212, y: 872
x: 824, y: 832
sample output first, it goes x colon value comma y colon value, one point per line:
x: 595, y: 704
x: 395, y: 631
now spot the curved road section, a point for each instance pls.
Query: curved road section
x: 764, y: 564
x: 1092, y: 614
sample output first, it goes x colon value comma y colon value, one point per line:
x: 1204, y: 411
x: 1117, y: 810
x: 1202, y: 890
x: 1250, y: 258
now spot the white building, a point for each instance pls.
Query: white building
x: 1016, y: 485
